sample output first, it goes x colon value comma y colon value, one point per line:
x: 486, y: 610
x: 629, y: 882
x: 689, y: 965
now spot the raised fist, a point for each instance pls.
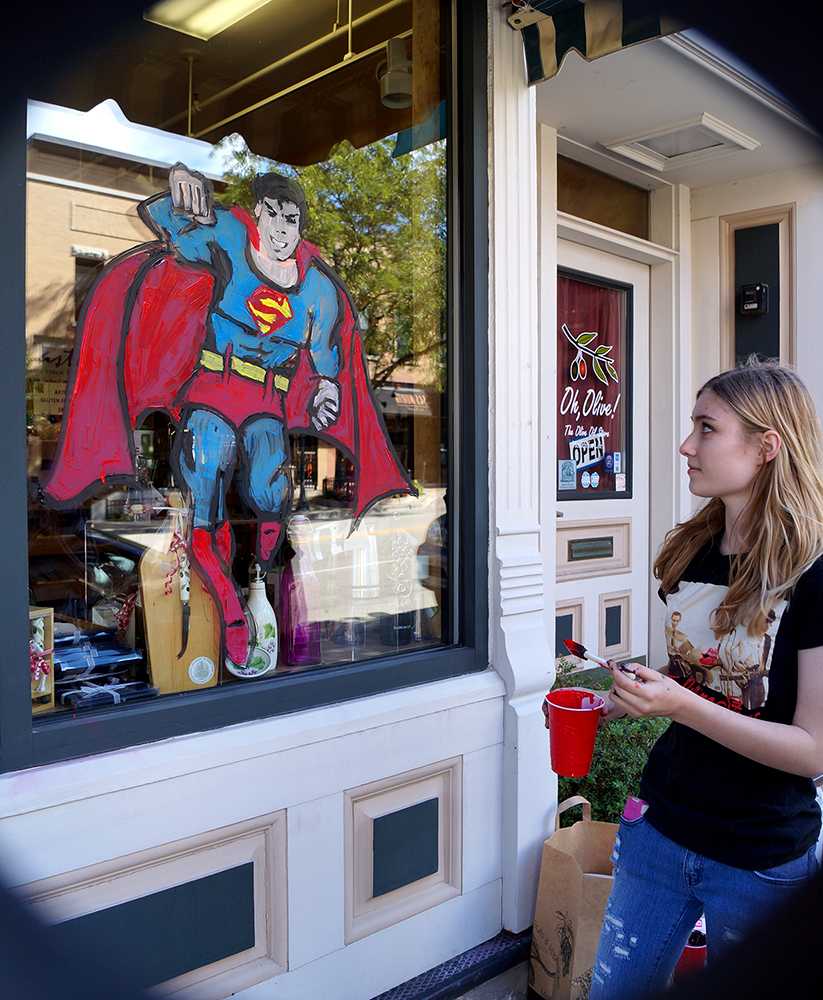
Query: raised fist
x: 192, y: 194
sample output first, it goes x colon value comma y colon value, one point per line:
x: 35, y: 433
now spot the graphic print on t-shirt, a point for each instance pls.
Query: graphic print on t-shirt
x: 734, y: 670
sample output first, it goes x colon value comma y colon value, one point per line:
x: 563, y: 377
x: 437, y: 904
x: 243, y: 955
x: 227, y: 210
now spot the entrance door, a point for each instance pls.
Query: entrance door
x: 602, y: 452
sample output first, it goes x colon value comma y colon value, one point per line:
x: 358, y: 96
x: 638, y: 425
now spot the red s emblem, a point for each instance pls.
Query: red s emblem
x: 269, y: 308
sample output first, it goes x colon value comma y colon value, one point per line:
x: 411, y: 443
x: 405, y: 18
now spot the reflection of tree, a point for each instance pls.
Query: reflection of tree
x: 381, y: 223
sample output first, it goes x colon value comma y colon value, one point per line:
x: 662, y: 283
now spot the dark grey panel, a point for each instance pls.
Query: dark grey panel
x: 405, y: 846
x: 757, y: 259
x: 563, y: 629
x: 614, y: 623
x: 167, y: 933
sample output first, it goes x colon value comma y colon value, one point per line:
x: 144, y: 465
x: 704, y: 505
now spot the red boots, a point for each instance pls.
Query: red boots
x: 212, y: 553
x: 225, y: 544
x: 207, y: 549
x: 268, y: 539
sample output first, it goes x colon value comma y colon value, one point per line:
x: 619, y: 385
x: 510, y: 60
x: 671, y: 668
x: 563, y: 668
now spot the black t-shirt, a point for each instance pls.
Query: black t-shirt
x: 701, y: 795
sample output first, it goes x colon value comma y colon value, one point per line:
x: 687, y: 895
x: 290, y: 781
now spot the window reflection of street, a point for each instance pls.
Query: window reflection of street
x: 370, y: 582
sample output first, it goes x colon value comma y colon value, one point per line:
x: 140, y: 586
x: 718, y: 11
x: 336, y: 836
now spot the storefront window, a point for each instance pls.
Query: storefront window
x: 237, y: 356
x: 593, y: 389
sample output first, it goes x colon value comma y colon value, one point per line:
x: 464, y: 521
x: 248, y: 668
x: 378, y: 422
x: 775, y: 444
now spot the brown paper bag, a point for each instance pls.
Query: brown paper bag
x: 575, y: 882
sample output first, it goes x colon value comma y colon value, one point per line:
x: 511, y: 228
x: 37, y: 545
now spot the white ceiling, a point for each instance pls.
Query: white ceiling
x: 652, y: 85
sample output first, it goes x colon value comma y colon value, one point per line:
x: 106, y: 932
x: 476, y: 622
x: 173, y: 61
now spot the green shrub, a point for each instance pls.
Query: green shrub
x: 620, y: 754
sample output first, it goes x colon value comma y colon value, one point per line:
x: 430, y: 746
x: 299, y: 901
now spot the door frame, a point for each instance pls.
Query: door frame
x: 670, y: 381
x: 622, y: 516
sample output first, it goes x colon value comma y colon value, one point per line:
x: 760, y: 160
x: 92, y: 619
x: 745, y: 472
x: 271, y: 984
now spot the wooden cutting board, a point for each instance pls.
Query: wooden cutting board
x: 199, y: 667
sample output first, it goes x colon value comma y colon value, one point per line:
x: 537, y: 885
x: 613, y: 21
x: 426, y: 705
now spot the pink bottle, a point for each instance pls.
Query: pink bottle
x: 299, y: 637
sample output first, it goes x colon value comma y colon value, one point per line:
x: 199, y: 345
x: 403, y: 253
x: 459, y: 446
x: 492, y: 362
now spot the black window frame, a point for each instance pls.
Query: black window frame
x: 27, y: 742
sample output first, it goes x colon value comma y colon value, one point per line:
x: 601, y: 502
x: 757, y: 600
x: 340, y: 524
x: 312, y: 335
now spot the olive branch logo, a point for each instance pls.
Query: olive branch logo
x: 602, y: 365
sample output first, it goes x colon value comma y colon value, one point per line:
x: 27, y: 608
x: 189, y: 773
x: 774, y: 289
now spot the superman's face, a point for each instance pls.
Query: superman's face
x: 278, y: 223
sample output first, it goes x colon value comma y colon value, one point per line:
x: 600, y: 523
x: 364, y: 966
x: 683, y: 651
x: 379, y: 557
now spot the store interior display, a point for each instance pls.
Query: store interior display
x: 41, y: 659
x: 231, y: 480
x: 301, y: 636
x: 264, y: 653
x: 134, y: 619
x: 182, y: 628
x: 93, y: 667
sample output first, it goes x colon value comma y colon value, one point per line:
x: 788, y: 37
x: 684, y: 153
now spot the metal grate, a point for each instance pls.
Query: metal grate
x: 463, y: 972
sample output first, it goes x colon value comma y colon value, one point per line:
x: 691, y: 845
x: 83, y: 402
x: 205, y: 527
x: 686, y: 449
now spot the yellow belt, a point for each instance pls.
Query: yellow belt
x: 214, y: 362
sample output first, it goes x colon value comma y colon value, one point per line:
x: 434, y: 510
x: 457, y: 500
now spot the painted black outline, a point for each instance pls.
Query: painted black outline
x: 156, y: 251
x: 220, y: 268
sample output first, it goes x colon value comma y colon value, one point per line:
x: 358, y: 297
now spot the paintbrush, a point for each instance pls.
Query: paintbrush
x: 579, y: 650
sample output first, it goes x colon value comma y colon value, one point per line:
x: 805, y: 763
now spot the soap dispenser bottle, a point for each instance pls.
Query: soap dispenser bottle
x: 265, y: 620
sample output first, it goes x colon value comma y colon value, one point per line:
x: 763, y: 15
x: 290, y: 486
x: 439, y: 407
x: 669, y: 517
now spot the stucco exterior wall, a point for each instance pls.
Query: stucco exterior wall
x: 800, y: 187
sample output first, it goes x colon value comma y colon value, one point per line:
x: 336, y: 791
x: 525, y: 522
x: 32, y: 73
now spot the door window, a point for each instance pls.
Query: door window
x: 593, y: 388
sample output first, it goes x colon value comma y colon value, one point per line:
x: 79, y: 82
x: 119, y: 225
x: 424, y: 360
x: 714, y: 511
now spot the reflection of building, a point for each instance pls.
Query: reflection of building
x: 412, y: 416
x: 81, y: 213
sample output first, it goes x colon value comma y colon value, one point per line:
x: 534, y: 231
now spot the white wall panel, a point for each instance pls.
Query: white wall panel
x: 138, y: 818
x: 315, y: 879
x: 483, y: 816
x: 368, y: 967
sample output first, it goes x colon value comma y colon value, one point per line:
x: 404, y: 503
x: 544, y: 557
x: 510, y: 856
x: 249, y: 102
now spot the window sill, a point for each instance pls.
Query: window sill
x: 72, y: 780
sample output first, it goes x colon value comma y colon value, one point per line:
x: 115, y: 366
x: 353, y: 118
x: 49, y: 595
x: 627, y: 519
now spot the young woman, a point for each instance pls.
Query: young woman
x: 732, y: 820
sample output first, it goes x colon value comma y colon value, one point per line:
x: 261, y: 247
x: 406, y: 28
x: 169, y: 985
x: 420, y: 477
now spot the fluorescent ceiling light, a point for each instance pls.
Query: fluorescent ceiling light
x: 201, y: 19
x: 683, y: 143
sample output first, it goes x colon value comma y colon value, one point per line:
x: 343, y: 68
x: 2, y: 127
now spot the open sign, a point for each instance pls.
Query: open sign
x: 589, y: 450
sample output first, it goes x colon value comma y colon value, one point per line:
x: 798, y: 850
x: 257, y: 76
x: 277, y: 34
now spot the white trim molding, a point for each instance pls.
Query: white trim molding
x: 618, y: 530
x: 367, y: 913
x: 784, y: 217
x: 75, y: 781
x: 701, y: 50
x: 620, y: 599
x: 521, y: 384
x: 261, y: 841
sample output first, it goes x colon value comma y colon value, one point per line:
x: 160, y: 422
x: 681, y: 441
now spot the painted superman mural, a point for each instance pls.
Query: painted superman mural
x: 236, y: 326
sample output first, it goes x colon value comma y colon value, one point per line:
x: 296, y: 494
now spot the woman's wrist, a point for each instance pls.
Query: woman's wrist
x: 687, y: 706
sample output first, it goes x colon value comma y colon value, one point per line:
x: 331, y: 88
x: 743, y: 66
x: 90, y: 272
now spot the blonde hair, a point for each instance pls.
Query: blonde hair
x: 782, y: 523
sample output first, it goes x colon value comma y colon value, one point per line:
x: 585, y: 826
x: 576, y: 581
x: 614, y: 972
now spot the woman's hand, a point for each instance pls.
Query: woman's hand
x: 645, y: 693
x: 612, y: 709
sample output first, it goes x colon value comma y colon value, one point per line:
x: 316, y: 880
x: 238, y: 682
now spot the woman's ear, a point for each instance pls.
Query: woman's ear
x: 770, y: 445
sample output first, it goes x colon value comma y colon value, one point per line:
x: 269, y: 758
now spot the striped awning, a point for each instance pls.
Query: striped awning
x: 551, y: 28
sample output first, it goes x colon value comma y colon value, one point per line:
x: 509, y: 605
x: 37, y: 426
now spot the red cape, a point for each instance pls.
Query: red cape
x: 140, y: 335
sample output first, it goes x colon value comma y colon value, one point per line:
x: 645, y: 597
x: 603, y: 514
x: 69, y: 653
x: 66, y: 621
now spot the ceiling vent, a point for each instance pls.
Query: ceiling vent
x: 684, y: 143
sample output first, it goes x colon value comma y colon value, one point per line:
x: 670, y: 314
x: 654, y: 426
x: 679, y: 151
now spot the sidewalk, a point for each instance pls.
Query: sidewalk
x: 510, y: 985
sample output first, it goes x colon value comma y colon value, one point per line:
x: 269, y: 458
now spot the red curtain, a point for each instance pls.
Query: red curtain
x: 591, y: 382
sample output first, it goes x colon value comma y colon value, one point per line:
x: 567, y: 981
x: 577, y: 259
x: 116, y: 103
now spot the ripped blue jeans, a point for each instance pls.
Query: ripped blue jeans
x: 660, y: 890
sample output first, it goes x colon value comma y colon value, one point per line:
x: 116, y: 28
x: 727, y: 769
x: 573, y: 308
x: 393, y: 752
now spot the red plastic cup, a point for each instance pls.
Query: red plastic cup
x: 693, y: 956
x: 692, y: 959
x: 572, y: 715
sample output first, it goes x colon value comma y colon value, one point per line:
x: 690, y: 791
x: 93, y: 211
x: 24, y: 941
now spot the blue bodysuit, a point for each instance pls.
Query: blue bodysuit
x: 255, y: 320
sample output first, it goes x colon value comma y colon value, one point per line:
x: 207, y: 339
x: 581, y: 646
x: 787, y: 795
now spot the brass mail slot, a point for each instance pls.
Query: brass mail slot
x: 591, y: 548
x: 594, y: 547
